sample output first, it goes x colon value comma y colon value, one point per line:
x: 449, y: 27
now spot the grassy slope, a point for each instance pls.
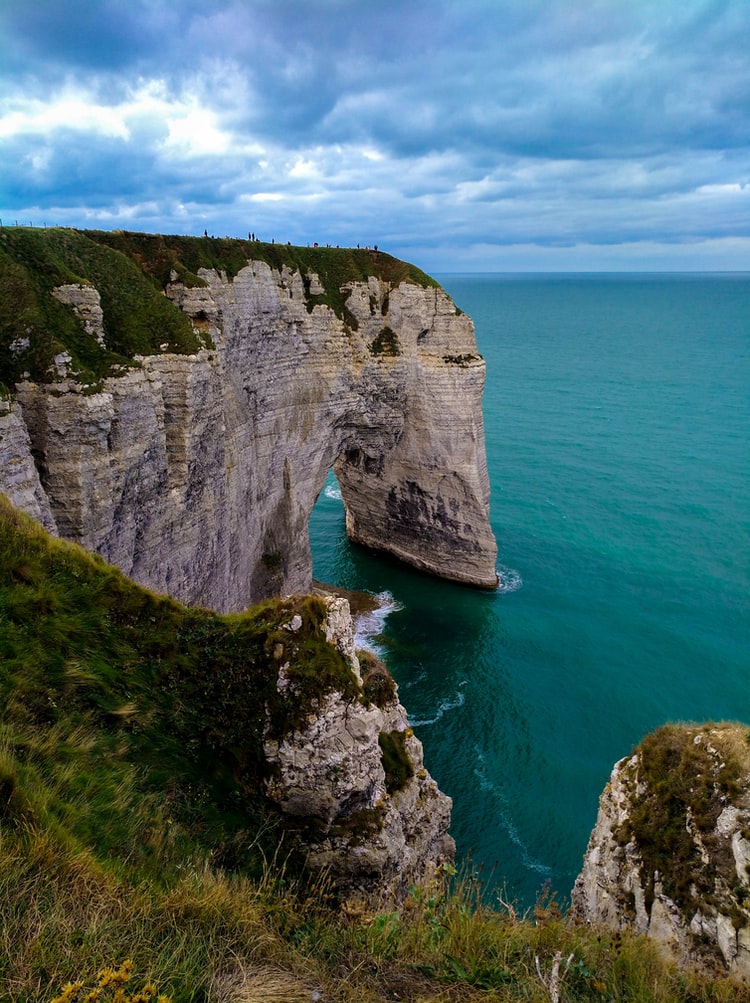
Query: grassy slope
x: 138, y: 319
x: 96, y: 670
x: 130, y: 271
x: 131, y: 826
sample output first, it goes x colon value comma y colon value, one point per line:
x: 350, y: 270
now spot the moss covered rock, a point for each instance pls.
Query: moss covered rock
x: 670, y: 853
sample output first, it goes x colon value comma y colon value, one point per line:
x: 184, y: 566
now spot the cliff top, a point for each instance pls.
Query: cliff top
x: 130, y: 272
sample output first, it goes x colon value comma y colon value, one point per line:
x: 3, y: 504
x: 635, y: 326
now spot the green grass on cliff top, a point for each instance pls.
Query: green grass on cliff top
x: 131, y: 826
x: 158, y: 255
x: 138, y: 319
x: 131, y: 271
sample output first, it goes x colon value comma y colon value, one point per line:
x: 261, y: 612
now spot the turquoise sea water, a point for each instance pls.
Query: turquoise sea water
x: 617, y: 417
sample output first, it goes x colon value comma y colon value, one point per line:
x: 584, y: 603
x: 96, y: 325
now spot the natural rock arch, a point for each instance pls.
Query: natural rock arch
x: 197, y: 474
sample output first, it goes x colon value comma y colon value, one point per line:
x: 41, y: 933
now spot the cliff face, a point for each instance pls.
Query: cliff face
x: 196, y: 472
x: 670, y: 853
x: 350, y: 776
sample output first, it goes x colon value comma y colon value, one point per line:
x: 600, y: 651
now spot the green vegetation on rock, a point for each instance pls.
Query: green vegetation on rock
x: 378, y: 685
x: 131, y: 825
x: 396, y: 760
x: 138, y: 318
x: 131, y: 271
x: 687, y: 775
x: 386, y: 343
x: 113, y: 697
x: 461, y: 360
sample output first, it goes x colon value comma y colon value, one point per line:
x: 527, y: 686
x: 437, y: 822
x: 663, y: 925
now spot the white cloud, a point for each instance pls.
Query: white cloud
x: 195, y: 131
x: 555, y: 124
x: 71, y: 109
x: 304, y: 169
x: 265, y: 197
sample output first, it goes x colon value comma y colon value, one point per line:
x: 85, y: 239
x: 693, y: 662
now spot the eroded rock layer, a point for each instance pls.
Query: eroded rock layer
x: 197, y: 473
x: 350, y: 777
x: 670, y: 853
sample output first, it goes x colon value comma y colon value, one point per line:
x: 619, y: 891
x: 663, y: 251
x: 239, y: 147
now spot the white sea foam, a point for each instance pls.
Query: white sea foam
x: 449, y: 704
x: 369, y: 626
x: 505, y: 817
x: 508, y: 579
x: 417, y: 680
x: 332, y: 491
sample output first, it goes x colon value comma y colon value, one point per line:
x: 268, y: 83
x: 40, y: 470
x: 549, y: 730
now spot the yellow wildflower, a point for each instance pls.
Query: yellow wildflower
x: 69, y: 992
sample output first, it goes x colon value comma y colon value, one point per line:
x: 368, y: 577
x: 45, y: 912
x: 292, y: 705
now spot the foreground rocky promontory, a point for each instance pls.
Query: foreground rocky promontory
x: 670, y: 853
x: 175, y: 405
x: 250, y: 732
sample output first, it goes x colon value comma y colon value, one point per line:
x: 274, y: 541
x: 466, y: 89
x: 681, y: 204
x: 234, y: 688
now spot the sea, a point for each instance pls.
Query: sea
x: 617, y: 424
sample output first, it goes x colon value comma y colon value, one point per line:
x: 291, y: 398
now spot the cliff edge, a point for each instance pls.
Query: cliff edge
x: 176, y: 404
x: 239, y: 736
x: 670, y: 853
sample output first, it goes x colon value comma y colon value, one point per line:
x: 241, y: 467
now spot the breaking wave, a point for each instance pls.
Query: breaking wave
x: 508, y: 579
x: 368, y: 626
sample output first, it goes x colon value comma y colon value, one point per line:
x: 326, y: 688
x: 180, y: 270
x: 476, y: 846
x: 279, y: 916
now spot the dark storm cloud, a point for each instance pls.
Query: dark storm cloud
x: 447, y: 127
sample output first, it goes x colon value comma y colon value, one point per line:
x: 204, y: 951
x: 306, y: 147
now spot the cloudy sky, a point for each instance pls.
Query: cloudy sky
x: 463, y: 135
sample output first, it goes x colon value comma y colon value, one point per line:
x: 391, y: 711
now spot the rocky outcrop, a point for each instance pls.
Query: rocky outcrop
x: 350, y: 779
x: 20, y: 478
x: 670, y: 853
x: 197, y: 473
x: 260, y: 733
x: 87, y: 306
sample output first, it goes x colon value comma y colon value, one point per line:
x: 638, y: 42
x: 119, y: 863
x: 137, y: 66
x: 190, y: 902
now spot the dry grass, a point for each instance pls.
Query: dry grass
x: 263, y: 984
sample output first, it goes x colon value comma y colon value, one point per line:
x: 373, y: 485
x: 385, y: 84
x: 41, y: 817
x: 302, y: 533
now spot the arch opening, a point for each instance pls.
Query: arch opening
x: 327, y: 532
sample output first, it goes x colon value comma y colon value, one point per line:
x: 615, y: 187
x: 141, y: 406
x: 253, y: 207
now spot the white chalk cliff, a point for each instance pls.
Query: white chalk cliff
x: 351, y: 776
x: 669, y: 856
x: 196, y: 474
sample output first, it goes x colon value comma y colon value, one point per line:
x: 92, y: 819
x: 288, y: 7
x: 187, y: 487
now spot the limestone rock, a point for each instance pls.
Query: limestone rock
x: 20, y: 479
x: 197, y: 474
x: 373, y: 828
x: 86, y: 304
x: 669, y: 853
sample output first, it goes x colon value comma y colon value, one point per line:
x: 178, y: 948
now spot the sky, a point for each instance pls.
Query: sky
x: 462, y: 135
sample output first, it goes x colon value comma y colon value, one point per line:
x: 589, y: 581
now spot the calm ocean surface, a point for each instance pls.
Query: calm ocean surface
x: 617, y: 419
